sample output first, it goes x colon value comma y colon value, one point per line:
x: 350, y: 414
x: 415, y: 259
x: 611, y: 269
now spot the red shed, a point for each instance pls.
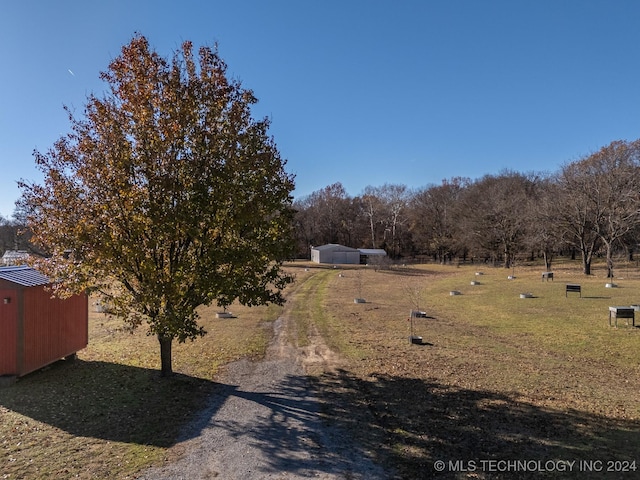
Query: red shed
x: 36, y: 329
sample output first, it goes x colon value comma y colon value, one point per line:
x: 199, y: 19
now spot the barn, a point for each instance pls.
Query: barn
x: 37, y: 329
x: 336, y: 254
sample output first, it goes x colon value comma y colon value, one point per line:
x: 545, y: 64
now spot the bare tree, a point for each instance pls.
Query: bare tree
x: 372, y: 208
x: 492, y: 212
x: 576, y: 214
x: 394, y: 199
x: 433, y: 218
x: 603, y: 191
x: 328, y: 215
x: 543, y: 235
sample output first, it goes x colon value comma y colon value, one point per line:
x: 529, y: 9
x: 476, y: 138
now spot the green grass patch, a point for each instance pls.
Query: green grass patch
x: 307, y: 305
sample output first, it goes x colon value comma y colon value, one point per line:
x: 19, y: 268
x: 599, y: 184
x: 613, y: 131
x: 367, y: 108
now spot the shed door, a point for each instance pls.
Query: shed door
x: 8, y: 332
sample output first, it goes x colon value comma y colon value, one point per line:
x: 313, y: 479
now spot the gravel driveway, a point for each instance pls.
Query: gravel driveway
x: 265, y: 422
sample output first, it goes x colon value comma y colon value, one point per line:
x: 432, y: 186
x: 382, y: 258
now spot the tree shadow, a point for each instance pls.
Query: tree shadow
x: 286, y: 433
x: 411, y: 423
x: 292, y: 433
x: 110, y: 401
x: 407, y: 424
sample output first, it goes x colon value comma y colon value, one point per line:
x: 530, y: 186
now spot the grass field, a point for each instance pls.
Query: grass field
x: 498, y: 378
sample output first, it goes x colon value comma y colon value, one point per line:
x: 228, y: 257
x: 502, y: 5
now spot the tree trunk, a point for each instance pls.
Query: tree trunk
x: 547, y: 261
x: 587, y: 254
x: 165, y: 355
x: 586, y: 263
x: 507, y: 258
x: 609, y: 262
x: 373, y: 232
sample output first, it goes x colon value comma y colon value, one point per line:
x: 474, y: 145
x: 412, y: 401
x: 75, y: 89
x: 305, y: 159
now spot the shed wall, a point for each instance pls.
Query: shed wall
x: 8, y: 332
x: 53, y: 328
x: 325, y: 256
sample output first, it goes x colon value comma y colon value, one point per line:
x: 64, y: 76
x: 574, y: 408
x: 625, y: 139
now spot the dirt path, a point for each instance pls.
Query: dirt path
x: 266, y: 423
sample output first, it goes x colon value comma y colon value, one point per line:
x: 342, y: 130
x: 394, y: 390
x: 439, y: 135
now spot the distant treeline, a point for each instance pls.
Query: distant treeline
x: 589, y: 207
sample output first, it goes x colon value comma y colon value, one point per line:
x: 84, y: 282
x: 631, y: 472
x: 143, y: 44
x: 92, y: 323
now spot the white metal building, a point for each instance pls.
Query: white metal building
x: 335, y: 253
x: 339, y: 254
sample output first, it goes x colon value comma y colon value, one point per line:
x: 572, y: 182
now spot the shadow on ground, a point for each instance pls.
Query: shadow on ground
x: 406, y: 423
x: 109, y: 401
x: 293, y: 435
x: 410, y: 423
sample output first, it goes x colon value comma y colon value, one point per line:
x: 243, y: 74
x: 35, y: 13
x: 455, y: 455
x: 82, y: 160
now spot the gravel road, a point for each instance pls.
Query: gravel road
x: 265, y: 422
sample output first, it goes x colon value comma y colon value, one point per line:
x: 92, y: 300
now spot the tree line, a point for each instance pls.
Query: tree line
x: 589, y: 207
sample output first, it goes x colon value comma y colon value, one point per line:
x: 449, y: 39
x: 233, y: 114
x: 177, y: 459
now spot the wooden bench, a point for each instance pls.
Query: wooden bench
x: 547, y: 276
x: 572, y: 287
x: 622, y: 312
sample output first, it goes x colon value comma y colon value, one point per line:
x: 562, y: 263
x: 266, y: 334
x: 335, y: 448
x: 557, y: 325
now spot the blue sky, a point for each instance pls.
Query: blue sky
x: 363, y: 92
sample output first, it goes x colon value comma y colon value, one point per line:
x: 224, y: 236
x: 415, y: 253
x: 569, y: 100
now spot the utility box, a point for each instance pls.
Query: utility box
x: 37, y: 329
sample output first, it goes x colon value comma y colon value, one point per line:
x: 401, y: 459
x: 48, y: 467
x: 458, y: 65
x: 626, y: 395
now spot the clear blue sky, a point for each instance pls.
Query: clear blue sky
x: 364, y: 92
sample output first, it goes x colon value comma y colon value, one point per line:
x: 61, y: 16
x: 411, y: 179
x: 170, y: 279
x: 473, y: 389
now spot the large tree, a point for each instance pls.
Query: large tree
x: 433, y: 222
x: 394, y: 199
x: 492, y: 212
x: 372, y: 210
x: 603, y: 193
x: 324, y: 213
x: 167, y: 195
x: 543, y: 236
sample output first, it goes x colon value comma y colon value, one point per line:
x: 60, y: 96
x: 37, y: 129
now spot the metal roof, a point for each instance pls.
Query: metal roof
x: 372, y: 251
x: 336, y: 247
x: 23, y: 275
x: 15, y: 254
